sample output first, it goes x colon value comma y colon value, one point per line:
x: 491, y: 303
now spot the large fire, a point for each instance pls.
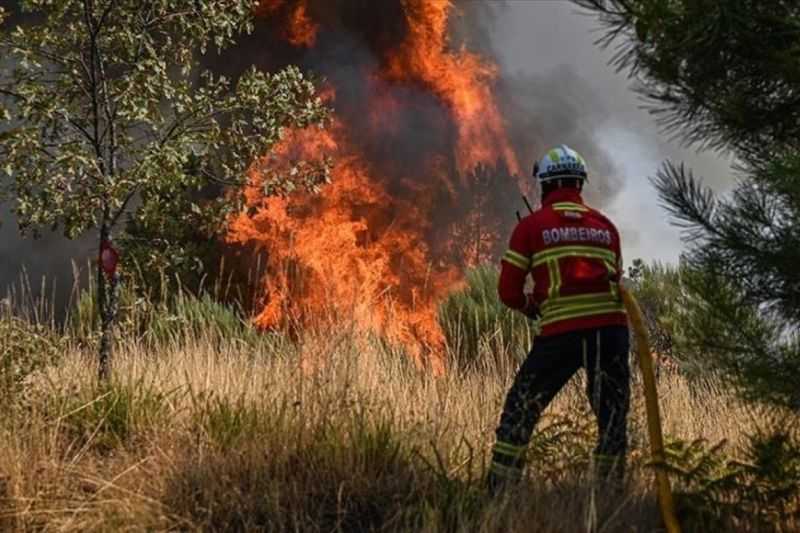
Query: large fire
x: 417, y: 142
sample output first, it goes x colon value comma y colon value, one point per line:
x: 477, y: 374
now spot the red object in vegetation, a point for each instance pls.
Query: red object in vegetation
x: 109, y: 258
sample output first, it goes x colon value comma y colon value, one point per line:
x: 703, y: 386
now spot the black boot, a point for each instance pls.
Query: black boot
x: 503, y: 474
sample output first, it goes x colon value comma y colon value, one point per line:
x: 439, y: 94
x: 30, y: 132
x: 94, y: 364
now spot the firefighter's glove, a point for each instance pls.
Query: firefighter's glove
x: 531, y: 309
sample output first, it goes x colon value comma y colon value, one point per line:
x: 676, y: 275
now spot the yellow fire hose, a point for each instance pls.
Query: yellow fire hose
x: 653, y: 416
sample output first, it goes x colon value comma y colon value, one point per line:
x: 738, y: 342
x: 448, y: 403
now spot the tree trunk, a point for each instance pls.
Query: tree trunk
x: 107, y: 289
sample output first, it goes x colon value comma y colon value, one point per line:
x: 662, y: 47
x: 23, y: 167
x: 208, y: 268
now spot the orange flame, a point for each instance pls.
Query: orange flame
x: 461, y: 79
x: 356, y: 249
x: 302, y: 31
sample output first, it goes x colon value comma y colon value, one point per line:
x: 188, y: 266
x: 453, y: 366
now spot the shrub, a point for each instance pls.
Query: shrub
x: 161, y: 318
x: 25, y: 348
x: 657, y: 288
x: 187, y: 316
x: 718, y: 492
x: 134, y: 310
x: 476, y: 323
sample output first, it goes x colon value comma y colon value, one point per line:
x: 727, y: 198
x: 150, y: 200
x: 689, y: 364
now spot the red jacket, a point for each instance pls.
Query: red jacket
x: 573, y: 254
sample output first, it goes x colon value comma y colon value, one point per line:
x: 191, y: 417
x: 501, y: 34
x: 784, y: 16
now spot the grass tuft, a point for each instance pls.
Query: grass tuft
x: 112, y: 416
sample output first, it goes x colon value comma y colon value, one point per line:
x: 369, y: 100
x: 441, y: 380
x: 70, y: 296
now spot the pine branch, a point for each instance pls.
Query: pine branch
x: 690, y: 203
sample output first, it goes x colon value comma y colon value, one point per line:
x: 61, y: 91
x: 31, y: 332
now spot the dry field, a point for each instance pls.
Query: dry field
x: 329, y: 433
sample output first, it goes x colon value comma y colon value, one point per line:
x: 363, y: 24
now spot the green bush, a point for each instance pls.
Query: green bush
x: 716, y: 491
x: 161, y: 318
x: 658, y: 289
x: 187, y: 316
x: 25, y: 348
x: 134, y: 311
x: 476, y: 324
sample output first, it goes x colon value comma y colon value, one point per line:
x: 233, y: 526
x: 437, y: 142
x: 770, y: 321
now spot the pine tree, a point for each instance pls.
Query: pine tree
x: 726, y: 75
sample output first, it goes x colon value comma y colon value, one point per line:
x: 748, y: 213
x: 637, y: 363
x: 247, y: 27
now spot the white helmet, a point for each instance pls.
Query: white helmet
x: 558, y: 163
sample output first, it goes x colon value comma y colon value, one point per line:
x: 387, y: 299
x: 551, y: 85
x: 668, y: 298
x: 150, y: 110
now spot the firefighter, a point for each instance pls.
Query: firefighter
x: 572, y: 252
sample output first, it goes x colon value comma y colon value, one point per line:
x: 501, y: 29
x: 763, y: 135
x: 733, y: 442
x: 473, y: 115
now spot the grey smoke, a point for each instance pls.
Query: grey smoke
x: 543, y: 106
x: 559, y: 88
x: 552, y: 40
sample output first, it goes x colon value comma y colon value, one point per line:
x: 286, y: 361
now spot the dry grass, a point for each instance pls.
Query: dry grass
x: 332, y: 433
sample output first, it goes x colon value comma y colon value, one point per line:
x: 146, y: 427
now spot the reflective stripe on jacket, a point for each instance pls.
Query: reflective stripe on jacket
x: 573, y: 254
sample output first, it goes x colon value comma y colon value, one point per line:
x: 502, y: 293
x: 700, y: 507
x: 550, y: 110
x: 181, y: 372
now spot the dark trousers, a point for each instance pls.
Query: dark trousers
x: 549, y: 366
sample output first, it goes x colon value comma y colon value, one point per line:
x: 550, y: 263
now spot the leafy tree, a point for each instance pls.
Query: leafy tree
x: 106, y: 113
x: 727, y: 76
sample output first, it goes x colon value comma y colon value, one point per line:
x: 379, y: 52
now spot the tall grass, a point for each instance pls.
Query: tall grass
x: 479, y: 329
x: 163, y: 313
x: 332, y: 431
